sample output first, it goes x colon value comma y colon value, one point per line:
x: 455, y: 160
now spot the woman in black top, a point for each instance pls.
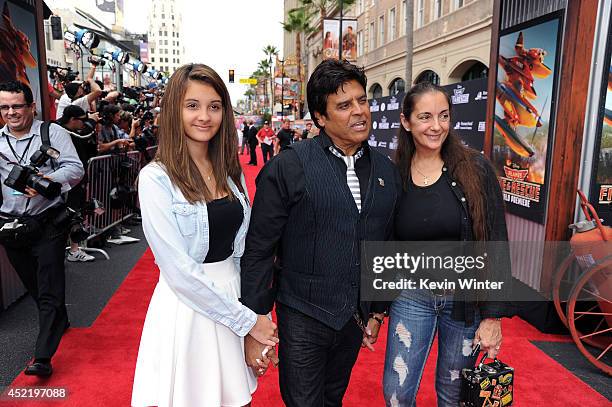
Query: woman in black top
x: 451, y: 193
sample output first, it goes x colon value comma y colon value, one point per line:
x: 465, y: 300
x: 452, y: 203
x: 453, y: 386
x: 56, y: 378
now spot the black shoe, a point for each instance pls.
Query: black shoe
x: 40, y: 369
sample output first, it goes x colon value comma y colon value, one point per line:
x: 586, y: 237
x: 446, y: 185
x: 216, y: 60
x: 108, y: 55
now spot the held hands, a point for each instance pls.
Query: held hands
x: 259, y: 345
x: 489, y: 335
x: 372, y: 329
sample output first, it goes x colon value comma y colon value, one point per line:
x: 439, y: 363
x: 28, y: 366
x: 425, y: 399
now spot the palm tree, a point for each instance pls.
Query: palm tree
x: 298, y: 22
x: 265, y: 70
x: 325, y: 6
x: 271, y: 51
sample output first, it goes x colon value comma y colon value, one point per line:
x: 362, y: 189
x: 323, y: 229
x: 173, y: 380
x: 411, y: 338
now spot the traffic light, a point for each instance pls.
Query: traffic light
x: 231, y: 76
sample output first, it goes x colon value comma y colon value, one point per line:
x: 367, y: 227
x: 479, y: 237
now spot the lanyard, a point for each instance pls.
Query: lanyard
x: 19, y: 159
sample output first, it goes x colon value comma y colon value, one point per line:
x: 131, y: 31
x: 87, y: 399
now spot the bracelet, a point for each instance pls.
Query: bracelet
x: 377, y: 319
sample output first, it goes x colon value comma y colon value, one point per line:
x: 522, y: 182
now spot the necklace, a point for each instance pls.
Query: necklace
x: 426, y: 179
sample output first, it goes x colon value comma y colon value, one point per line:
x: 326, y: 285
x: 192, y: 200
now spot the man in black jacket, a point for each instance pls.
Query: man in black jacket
x: 315, y: 203
x: 252, y: 140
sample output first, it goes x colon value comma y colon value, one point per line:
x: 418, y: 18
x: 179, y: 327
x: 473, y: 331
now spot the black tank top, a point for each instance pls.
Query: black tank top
x: 224, y: 219
x: 428, y: 213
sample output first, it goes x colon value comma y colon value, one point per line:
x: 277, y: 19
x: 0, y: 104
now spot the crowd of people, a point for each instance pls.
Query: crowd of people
x: 225, y: 262
x: 271, y: 142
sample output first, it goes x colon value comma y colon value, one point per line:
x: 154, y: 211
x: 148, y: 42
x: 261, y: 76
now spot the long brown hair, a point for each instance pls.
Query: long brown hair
x: 459, y: 159
x: 172, y: 150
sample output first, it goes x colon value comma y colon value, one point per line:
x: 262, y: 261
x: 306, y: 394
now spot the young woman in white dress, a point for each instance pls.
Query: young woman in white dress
x: 195, y: 215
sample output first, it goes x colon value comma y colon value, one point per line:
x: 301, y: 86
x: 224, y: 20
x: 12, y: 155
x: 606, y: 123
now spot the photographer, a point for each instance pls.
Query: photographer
x: 76, y: 95
x: 82, y: 131
x: 111, y: 138
x: 38, y: 254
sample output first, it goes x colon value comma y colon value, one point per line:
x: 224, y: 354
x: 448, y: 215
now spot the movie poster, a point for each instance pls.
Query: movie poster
x: 18, y: 46
x: 524, y: 109
x: 331, y: 28
x: 601, y: 189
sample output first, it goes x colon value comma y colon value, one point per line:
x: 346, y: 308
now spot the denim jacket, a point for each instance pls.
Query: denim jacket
x: 178, y: 234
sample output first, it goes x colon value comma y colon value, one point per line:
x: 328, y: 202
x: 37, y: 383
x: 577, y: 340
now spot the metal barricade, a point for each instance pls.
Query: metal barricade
x: 111, y: 180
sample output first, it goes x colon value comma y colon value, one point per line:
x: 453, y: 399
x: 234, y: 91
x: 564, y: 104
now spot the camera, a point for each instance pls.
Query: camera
x: 22, y: 176
x: 65, y: 75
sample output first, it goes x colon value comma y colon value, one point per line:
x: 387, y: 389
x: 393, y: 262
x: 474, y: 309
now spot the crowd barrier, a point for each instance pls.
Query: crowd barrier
x: 111, y: 185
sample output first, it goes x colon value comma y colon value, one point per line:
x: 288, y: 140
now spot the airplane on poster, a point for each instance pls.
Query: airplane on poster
x: 15, y: 54
x: 515, y: 93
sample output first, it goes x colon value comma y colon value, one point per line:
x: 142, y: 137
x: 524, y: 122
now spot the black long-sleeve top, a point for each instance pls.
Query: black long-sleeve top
x: 281, y: 184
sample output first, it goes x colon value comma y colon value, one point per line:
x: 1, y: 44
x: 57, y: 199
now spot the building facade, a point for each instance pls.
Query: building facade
x: 451, y: 41
x: 166, y: 49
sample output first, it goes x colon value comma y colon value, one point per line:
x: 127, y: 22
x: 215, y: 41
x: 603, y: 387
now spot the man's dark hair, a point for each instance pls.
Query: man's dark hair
x: 72, y: 89
x: 71, y: 112
x: 18, y: 87
x: 328, y: 78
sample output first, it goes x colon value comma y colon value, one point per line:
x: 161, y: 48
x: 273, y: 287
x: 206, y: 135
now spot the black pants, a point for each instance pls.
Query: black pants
x: 41, y: 269
x: 315, y: 360
x: 253, y: 153
x: 267, y: 151
x: 244, y: 145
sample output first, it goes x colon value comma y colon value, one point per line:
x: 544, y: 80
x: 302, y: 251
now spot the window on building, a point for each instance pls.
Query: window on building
x: 428, y: 76
x: 152, y: 50
x: 397, y: 86
x: 476, y: 71
x: 173, y: 16
x: 372, y: 41
x: 360, y: 7
x: 360, y: 43
x: 420, y: 15
x: 163, y: 16
x: 165, y: 59
x: 437, y: 9
x: 376, y: 91
x: 160, y: 32
x: 166, y: 33
x: 381, y: 31
x: 152, y: 59
x: 177, y: 43
x: 459, y: 3
x: 392, y: 24
x: 404, y: 12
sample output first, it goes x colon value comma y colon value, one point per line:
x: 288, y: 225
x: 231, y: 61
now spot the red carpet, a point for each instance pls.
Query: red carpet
x: 96, y: 364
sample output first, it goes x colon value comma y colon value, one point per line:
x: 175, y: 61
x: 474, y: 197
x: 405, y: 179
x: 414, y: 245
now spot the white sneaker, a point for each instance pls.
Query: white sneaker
x: 79, y: 255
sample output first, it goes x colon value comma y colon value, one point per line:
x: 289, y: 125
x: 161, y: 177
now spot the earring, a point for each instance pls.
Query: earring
x: 407, y: 129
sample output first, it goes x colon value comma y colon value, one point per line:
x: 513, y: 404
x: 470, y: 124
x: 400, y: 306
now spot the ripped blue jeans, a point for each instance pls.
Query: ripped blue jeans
x: 414, y: 319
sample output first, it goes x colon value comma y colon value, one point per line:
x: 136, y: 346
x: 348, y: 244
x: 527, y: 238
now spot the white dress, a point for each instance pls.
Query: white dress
x: 186, y: 359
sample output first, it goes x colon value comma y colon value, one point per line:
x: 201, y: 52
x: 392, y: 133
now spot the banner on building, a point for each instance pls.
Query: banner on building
x: 469, y: 110
x: 601, y: 185
x: 144, y: 52
x: 19, y: 47
x: 331, y: 44
x: 524, y: 112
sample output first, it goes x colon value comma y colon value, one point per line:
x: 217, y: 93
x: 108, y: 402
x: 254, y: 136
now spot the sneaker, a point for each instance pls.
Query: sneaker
x: 79, y: 255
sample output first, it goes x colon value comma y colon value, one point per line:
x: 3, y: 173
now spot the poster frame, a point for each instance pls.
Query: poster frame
x: 540, y: 215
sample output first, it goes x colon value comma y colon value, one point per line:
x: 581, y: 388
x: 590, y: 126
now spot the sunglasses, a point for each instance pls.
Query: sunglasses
x: 19, y: 106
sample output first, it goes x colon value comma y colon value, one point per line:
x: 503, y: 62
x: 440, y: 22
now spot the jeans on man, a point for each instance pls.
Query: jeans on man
x: 315, y: 360
x: 267, y: 150
x: 414, y: 319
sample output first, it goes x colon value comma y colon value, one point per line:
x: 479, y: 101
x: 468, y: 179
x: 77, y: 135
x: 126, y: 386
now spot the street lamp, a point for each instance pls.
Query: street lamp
x: 340, y: 36
x: 271, y: 86
x: 282, y: 61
